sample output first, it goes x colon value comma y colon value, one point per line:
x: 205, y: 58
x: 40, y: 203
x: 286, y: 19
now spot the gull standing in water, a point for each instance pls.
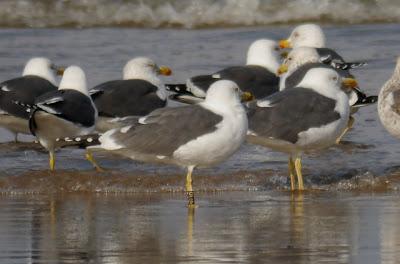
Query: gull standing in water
x: 64, y: 113
x: 310, y: 116
x: 199, y: 135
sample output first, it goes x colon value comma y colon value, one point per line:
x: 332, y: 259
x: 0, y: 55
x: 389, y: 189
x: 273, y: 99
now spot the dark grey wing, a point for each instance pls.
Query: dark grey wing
x: 251, y: 78
x: 334, y: 56
x: 202, y: 82
x: 329, y: 56
x: 287, y: 113
x: 297, y: 76
x: 70, y: 105
x: 126, y: 98
x: 23, y: 89
x: 165, y: 130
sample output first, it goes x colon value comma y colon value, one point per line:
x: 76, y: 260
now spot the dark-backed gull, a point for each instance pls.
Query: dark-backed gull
x: 301, y: 59
x: 190, y: 136
x: 258, y: 76
x: 137, y: 94
x: 64, y: 113
x: 308, y: 117
x: 37, y: 78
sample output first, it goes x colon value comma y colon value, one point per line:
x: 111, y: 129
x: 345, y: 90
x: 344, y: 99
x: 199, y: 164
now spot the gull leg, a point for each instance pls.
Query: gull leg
x: 89, y: 157
x: 52, y: 160
x: 350, y: 124
x: 297, y: 165
x: 190, y: 221
x: 291, y: 173
x: 189, y: 187
x: 16, y: 138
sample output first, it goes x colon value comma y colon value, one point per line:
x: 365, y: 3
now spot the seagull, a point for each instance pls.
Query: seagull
x: 389, y: 103
x: 137, y: 94
x: 311, y: 35
x: 308, y: 117
x: 300, y: 60
x: 63, y: 113
x: 37, y: 78
x: 190, y: 136
x: 258, y: 76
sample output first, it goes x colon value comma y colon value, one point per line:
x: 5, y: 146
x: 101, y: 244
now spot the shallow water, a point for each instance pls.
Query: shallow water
x: 368, y: 152
x: 134, y: 212
x: 228, y: 227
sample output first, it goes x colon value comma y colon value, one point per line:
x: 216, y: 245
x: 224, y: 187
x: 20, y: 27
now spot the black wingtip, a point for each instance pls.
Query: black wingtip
x: 348, y: 65
x: 177, y: 88
x: 186, y: 98
x: 79, y: 141
x: 366, y: 100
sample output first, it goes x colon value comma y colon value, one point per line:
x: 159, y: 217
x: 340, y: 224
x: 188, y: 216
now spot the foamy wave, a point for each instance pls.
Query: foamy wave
x: 191, y: 13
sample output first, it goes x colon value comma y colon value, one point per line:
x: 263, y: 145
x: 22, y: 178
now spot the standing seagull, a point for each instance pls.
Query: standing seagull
x: 389, y: 103
x: 258, y: 76
x: 37, y: 78
x: 66, y: 112
x: 140, y: 92
x: 191, y: 136
x: 308, y: 117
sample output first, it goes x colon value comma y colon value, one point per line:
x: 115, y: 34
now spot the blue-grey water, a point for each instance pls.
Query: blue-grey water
x: 134, y: 212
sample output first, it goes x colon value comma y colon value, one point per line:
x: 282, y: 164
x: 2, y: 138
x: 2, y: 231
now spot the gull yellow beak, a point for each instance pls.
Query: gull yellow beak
x: 284, y: 43
x: 349, y: 83
x: 58, y: 69
x: 246, y: 97
x: 164, y: 70
x: 284, y: 54
x: 282, y: 69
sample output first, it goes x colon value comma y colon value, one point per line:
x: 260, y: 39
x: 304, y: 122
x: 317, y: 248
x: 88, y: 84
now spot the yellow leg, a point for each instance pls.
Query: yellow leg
x: 190, y: 222
x: 297, y: 165
x: 89, y: 157
x: 189, y: 187
x: 52, y: 160
x: 291, y: 173
x: 350, y: 124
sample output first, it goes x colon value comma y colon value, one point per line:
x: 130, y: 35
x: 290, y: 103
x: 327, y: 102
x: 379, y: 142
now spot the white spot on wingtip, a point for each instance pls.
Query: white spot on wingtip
x: 160, y: 157
x: 5, y: 88
x: 89, y: 140
x: 142, y: 120
x: 77, y: 139
x: 251, y: 133
x: 216, y: 76
x: 125, y: 129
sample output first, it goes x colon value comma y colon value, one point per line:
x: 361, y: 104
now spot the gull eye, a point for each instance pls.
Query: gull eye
x: 236, y: 89
x: 296, y: 35
x: 335, y: 78
x: 290, y: 58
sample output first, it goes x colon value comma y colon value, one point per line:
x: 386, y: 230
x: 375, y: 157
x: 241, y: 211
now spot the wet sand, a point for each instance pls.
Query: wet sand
x: 135, y: 213
x: 227, y: 227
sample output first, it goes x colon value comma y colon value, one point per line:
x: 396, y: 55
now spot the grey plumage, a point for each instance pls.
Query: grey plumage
x: 164, y: 130
x: 70, y: 105
x: 121, y: 98
x: 24, y: 89
x: 307, y: 109
x: 250, y: 78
